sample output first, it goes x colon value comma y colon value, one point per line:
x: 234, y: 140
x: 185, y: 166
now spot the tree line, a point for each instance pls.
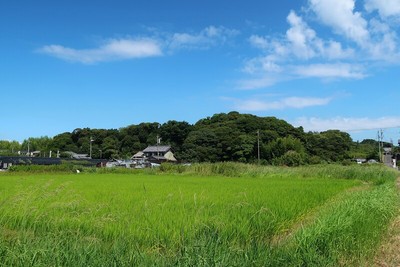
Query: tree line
x: 221, y: 137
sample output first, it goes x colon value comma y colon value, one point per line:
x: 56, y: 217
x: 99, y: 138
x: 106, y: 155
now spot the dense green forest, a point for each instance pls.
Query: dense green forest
x: 222, y: 137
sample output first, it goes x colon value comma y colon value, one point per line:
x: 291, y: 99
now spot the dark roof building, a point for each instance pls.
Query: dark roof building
x: 7, y: 162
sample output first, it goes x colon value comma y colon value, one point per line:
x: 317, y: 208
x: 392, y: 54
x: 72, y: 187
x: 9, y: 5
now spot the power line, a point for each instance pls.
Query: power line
x: 371, y: 129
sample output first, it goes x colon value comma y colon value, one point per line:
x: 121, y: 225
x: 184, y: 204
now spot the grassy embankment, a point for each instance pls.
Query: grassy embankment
x: 209, y: 214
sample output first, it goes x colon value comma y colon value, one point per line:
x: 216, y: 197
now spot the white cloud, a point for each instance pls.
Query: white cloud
x: 385, y: 45
x: 300, y: 41
x: 340, y: 15
x: 114, y: 49
x: 386, y: 8
x: 300, y: 53
x: 347, y: 124
x: 330, y: 71
x: 206, y: 38
x: 300, y: 37
x: 285, y: 103
x: 300, y: 44
x: 375, y: 39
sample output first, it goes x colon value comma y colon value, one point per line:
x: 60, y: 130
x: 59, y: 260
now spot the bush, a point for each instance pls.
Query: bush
x: 314, y: 160
x: 65, y: 167
x: 290, y: 158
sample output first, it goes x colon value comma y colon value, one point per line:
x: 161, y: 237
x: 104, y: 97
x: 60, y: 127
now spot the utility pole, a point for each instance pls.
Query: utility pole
x: 91, y: 140
x: 380, y: 144
x: 258, y: 146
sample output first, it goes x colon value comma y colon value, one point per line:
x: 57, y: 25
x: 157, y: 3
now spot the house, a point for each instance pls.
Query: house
x: 155, y: 154
x: 156, y: 150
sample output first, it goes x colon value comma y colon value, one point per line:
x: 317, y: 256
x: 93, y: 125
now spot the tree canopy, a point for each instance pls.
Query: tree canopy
x: 221, y: 137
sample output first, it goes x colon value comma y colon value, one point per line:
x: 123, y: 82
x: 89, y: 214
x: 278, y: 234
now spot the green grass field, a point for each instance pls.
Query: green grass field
x: 258, y: 217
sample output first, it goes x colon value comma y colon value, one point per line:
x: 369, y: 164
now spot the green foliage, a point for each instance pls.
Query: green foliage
x: 367, y: 149
x: 201, y: 145
x: 331, y: 146
x: 9, y: 148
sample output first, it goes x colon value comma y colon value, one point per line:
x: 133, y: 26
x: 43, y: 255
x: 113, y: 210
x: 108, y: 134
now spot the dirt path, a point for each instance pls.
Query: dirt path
x: 389, y: 252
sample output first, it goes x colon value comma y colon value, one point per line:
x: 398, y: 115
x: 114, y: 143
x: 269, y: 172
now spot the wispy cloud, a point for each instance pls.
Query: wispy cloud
x: 347, y: 124
x: 257, y: 104
x: 206, y: 38
x: 134, y: 48
x: 111, y: 50
x: 256, y: 83
x: 330, y: 71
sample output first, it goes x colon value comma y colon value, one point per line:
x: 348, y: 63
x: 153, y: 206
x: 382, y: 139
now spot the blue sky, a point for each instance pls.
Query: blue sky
x: 320, y: 64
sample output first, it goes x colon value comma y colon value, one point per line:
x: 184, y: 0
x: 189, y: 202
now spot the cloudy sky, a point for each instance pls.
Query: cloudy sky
x: 320, y: 64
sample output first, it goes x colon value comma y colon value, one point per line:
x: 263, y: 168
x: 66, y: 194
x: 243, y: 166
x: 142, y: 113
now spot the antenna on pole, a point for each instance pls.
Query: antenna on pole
x: 158, y: 143
x: 91, y: 140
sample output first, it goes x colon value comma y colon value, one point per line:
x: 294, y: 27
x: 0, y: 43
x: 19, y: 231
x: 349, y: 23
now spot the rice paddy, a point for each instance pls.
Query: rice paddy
x: 266, y: 217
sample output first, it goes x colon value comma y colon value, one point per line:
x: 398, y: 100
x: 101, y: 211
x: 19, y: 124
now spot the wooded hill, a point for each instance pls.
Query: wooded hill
x: 222, y: 137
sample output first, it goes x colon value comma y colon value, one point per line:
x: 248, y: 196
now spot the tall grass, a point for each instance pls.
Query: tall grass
x: 179, y: 218
x: 344, y: 234
x: 369, y: 173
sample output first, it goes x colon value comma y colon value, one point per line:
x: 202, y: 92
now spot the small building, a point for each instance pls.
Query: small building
x: 74, y: 155
x: 139, y: 156
x: 28, y: 153
x: 361, y: 161
x: 387, y: 157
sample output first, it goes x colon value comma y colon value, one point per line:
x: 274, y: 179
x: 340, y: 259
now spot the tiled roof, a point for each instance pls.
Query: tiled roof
x: 155, y: 149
